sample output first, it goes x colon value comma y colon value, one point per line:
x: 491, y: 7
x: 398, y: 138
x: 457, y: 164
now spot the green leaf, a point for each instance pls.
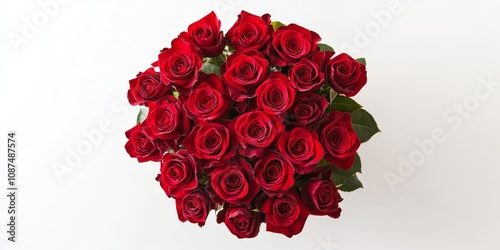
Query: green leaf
x: 364, y: 124
x: 209, y: 68
x: 362, y: 61
x: 344, y: 104
x: 325, y: 47
x: 346, y: 184
x: 143, y: 112
x: 356, y: 168
x: 175, y: 93
x: 277, y: 24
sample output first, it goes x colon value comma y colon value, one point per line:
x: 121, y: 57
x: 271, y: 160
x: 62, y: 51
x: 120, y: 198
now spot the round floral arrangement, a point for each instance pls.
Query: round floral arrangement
x: 256, y: 124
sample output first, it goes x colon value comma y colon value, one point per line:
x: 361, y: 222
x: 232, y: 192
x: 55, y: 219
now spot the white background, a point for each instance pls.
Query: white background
x: 73, y: 75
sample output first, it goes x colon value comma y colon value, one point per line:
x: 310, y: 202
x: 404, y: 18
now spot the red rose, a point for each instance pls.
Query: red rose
x: 286, y: 214
x: 243, y: 72
x: 142, y: 146
x: 147, y: 87
x: 346, y: 75
x: 339, y: 139
x: 206, y: 34
x: 167, y: 119
x: 234, y: 182
x: 178, y: 173
x: 206, y: 102
x: 256, y: 131
x: 321, y: 58
x: 274, y: 173
x: 180, y: 65
x: 306, y: 75
x: 292, y: 43
x: 213, y: 143
x: 250, y: 32
x: 276, y: 94
x: 321, y: 195
x: 194, y: 206
x: 302, y: 148
x: 307, y: 109
x: 240, y: 220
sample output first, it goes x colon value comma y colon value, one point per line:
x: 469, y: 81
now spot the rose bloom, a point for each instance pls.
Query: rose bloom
x: 167, y: 120
x: 320, y: 194
x: 142, y: 145
x: 147, y: 87
x: 306, y: 76
x: 206, y: 34
x: 274, y: 173
x: 194, y: 206
x: 208, y: 101
x: 178, y: 173
x: 250, y: 32
x: 276, y: 94
x: 307, y: 110
x: 302, y: 148
x: 346, y: 75
x: 240, y: 220
x: 234, y: 182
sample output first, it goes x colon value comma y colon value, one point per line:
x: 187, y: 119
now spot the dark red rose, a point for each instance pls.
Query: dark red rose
x: 240, y: 220
x: 339, y: 139
x: 206, y: 34
x: 142, y: 145
x: 346, y: 75
x: 178, y: 173
x: 307, y: 110
x: 180, y: 65
x: 250, y: 32
x: 194, y: 206
x: 256, y: 131
x: 306, y: 75
x: 321, y: 196
x: 302, y: 148
x: 291, y: 43
x: 243, y: 72
x: 274, y: 173
x: 276, y: 94
x: 167, y: 119
x: 207, y: 101
x: 147, y: 87
x: 234, y: 182
x: 286, y: 214
x: 213, y: 143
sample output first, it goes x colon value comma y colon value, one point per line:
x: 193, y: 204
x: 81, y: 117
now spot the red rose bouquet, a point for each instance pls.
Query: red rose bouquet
x: 256, y: 124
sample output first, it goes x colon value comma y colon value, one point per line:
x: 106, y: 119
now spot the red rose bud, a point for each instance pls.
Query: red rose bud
x: 234, y: 182
x: 307, y: 110
x: 147, y: 87
x: 167, y: 119
x: 274, y: 173
x: 276, y: 94
x: 339, y: 139
x: 291, y: 43
x: 302, y: 148
x: 306, y: 76
x: 206, y: 34
x: 180, y: 65
x: 286, y: 214
x: 321, y: 195
x: 250, y: 32
x: 178, y: 173
x: 240, y: 220
x: 243, y: 72
x: 194, y: 206
x: 142, y: 145
x: 346, y: 75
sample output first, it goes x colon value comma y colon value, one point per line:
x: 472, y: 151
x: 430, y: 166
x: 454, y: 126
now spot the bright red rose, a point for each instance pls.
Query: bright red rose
x: 147, y: 87
x: 213, y: 143
x: 346, y: 75
x: 167, y: 120
x: 274, y: 173
x: 194, y: 206
x: 339, y: 139
x: 207, y: 102
x: 180, y: 65
x: 307, y: 110
x: 240, y: 220
x: 306, y: 76
x: 206, y: 34
x: 243, y: 72
x: 291, y: 43
x: 321, y: 196
x: 276, y: 94
x: 256, y: 131
x: 142, y: 145
x: 178, y: 173
x: 302, y: 148
x: 286, y: 214
x: 250, y: 32
x: 234, y: 182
